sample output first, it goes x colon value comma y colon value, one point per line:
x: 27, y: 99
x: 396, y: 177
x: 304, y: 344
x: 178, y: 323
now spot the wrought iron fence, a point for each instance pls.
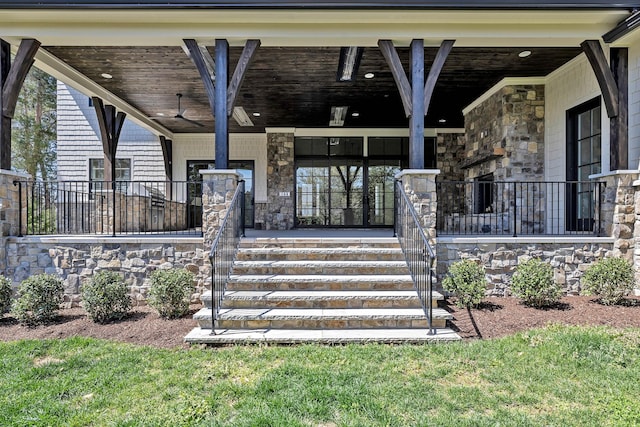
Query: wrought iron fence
x: 111, y: 208
x: 224, y: 250
x: 417, y: 251
x: 520, y: 208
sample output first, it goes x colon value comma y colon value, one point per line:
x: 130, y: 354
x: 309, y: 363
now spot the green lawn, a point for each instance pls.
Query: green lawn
x: 555, y: 376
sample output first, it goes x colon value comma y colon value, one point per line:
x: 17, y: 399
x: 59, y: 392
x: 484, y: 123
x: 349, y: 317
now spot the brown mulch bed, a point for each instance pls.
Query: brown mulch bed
x: 496, y: 317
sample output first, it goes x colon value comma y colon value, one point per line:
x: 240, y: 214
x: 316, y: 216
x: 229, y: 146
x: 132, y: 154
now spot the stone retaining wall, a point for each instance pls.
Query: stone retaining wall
x: 75, y: 260
x: 569, y: 257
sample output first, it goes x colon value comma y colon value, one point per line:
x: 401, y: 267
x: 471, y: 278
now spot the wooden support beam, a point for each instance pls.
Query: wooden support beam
x: 434, y: 71
x: 167, y: 154
x: 402, y: 82
x: 11, y: 80
x: 606, y: 81
x: 249, y: 51
x: 5, y: 122
x: 416, y: 126
x: 18, y: 72
x: 220, y: 110
x: 619, y: 125
x: 110, y: 125
x: 201, y: 66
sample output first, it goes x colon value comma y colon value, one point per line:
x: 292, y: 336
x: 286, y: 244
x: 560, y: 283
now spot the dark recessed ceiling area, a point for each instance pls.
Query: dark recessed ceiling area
x: 296, y: 87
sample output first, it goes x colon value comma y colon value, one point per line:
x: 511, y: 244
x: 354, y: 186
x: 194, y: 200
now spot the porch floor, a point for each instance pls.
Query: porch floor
x: 321, y: 233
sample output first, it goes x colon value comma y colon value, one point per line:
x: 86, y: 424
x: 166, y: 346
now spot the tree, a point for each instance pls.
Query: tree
x: 34, y: 127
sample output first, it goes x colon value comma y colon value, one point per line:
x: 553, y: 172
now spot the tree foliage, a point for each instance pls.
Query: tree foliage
x: 33, y: 137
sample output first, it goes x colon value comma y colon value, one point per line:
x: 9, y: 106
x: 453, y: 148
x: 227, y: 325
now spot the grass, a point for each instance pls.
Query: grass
x: 564, y: 376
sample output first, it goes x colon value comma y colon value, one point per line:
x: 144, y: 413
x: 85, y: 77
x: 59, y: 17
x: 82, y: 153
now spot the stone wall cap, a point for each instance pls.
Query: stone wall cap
x: 280, y: 130
x: 18, y: 175
x: 615, y: 173
x: 219, y: 172
x: 523, y: 239
x: 417, y: 172
x: 93, y: 239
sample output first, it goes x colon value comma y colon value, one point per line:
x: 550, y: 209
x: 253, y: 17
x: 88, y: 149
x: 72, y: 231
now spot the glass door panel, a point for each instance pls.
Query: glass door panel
x: 380, y: 193
x: 346, y: 193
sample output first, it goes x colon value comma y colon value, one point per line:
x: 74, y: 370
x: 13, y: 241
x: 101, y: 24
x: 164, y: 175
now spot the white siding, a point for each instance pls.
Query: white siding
x: 634, y: 106
x: 242, y: 146
x: 568, y: 87
x: 78, y: 141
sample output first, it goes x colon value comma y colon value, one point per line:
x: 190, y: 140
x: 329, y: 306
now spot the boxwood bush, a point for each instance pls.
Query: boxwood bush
x: 5, y: 294
x: 467, y: 280
x: 106, y: 297
x: 610, y: 278
x: 170, y: 292
x: 39, y: 298
x: 533, y: 283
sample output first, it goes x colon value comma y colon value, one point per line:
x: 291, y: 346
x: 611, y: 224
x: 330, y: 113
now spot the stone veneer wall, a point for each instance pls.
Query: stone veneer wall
x: 277, y: 213
x: 569, y: 258
x: 218, y: 189
x: 450, y: 153
x: 76, y: 259
x: 505, y: 135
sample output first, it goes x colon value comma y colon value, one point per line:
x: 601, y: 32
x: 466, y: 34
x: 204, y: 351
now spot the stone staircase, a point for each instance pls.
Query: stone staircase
x: 333, y: 290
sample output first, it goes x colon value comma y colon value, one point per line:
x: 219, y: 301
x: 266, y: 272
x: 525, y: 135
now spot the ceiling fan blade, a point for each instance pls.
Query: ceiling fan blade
x: 193, y: 122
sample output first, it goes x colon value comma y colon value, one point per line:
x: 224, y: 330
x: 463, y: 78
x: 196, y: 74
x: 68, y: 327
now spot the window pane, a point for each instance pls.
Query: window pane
x: 596, y: 126
x: 584, y: 124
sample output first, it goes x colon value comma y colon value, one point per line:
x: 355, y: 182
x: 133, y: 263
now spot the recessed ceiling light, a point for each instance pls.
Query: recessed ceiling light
x: 369, y: 76
x: 160, y: 114
x: 255, y: 114
x: 355, y: 114
x: 442, y: 121
x: 106, y: 76
x: 524, y: 53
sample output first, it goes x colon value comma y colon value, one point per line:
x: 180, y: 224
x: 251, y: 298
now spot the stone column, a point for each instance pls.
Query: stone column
x: 10, y: 211
x: 278, y: 213
x: 218, y: 188
x: 618, y: 211
x: 420, y: 186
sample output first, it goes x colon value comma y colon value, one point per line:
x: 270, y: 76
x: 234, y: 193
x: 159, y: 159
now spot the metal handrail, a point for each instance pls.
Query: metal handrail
x: 519, y: 208
x: 418, y: 253
x: 111, y: 207
x: 224, y: 250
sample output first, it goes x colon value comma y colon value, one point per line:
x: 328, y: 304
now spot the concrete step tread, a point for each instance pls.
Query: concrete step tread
x: 319, y: 240
x: 314, y: 263
x: 329, y: 250
x: 229, y: 336
x: 323, y: 278
x: 321, y: 313
x: 320, y: 295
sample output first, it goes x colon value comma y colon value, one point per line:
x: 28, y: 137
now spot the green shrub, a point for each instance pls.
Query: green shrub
x: 533, y: 283
x: 610, y: 278
x: 170, y: 292
x: 39, y: 298
x: 106, y: 297
x: 466, y: 279
x: 5, y: 294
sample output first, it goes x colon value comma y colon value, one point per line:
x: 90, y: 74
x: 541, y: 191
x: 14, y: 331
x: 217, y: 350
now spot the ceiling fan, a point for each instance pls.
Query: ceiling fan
x: 179, y: 115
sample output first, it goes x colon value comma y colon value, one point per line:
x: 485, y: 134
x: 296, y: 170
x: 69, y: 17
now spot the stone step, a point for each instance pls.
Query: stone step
x: 311, y: 242
x: 320, y: 299
x: 275, y: 282
x: 320, y: 254
x: 325, y: 336
x: 289, y: 318
x: 320, y: 267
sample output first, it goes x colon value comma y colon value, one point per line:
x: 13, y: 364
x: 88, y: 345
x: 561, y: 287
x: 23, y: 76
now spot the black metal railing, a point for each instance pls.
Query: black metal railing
x: 224, y: 250
x: 417, y: 251
x: 111, y: 207
x: 520, y: 208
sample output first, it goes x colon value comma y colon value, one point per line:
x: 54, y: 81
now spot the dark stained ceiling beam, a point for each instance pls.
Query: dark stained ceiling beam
x: 402, y: 82
x: 434, y: 71
x: 248, y: 53
x: 167, y: 154
x: 110, y: 125
x: 606, y: 81
x: 11, y: 80
x: 18, y: 72
x: 201, y: 66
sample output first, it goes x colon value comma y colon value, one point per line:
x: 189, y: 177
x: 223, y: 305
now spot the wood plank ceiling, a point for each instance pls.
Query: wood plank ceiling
x: 296, y: 87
